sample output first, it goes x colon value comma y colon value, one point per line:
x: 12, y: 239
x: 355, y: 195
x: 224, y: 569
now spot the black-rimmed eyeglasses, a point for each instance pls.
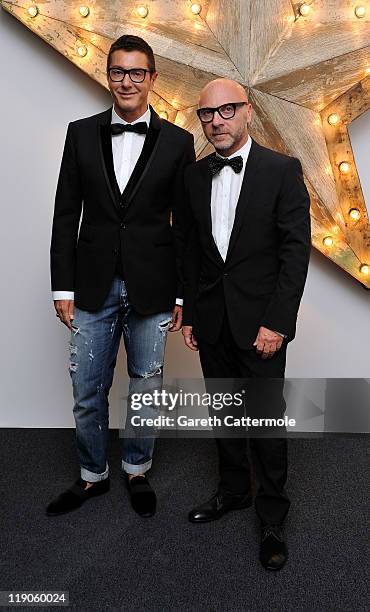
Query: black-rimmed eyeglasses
x: 137, y: 75
x: 226, y: 111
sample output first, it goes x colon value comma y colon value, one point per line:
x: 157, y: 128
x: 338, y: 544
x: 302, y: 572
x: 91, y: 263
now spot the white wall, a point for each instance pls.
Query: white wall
x: 333, y: 331
x: 359, y: 133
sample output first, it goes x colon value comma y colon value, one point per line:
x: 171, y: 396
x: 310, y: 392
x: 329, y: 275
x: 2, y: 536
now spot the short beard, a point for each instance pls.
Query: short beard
x: 236, y: 138
x: 222, y: 147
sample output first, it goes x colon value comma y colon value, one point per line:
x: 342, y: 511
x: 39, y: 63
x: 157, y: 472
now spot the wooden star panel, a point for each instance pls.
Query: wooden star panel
x: 299, y: 71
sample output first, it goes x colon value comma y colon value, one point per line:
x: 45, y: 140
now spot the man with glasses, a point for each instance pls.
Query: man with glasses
x: 245, y: 268
x: 121, y: 273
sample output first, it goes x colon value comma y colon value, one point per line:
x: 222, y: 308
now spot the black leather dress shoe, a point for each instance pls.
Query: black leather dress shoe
x: 143, y: 497
x: 76, y: 495
x: 218, y: 505
x: 273, y: 551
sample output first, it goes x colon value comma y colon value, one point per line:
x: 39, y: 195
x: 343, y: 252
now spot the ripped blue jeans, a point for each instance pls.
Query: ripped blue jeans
x: 94, y: 344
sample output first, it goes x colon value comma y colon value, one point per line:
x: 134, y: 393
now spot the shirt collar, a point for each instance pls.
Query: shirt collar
x: 145, y: 117
x: 243, y: 151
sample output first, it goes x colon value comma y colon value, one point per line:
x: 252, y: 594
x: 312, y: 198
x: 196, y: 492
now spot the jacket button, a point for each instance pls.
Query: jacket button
x: 115, y: 251
x: 122, y: 225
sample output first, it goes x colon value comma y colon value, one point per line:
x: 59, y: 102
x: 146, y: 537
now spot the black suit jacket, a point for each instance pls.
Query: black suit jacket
x: 262, y: 279
x: 135, y: 225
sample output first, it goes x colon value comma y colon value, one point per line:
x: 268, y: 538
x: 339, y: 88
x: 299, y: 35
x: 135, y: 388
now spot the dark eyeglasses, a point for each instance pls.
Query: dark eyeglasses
x: 226, y: 111
x: 137, y: 75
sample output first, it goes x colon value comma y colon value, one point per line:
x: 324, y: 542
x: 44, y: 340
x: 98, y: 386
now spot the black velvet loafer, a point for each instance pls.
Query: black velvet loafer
x: 76, y: 495
x: 143, y: 497
x: 218, y: 505
x: 273, y: 550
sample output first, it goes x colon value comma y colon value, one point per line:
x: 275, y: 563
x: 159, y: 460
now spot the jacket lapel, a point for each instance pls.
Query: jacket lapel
x: 106, y: 156
x: 147, y: 155
x: 245, y: 195
x: 204, y: 193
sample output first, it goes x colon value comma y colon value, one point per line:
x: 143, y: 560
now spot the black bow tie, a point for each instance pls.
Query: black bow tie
x: 216, y: 163
x: 119, y: 128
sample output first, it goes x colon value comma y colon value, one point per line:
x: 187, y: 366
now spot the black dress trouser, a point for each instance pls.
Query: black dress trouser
x: 226, y: 360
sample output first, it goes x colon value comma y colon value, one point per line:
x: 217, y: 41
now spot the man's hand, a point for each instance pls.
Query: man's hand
x: 189, y: 339
x: 267, y: 342
x: 65, y: 311
x: 176, y: 319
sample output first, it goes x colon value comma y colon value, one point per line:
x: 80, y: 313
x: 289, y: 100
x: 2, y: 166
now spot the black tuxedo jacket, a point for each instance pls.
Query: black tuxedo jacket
x: 262, y: 279
x: 134, y: 226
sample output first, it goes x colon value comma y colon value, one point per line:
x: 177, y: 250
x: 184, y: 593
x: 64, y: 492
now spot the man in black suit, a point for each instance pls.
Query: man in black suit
x: 245, y: 268
x: 120, y: 272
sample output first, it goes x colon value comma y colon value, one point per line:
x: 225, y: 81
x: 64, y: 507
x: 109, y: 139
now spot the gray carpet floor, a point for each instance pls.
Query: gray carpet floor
x: 110, y: 559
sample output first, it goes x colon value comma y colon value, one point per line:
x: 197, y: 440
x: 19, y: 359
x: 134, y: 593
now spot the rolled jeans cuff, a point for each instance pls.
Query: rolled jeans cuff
x: 92, y: 476
x: 136, y: 469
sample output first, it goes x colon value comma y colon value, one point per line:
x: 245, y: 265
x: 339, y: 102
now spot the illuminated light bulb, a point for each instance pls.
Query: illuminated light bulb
x: 84, y: 11
x: 82, y: 50
x: 355, y: 214
x: 343, y: 167
x: 328, y: 241
x: 33, y: 11
x: 142, y: 11
x: 196, y: 8
x: 304, y: 9
x: 163, y: 114
x: 333, y: 119
x: 364, y: 269
x: 360, y: 11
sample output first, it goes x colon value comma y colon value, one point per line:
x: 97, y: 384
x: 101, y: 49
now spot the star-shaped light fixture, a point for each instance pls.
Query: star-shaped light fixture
x: 305, y: 65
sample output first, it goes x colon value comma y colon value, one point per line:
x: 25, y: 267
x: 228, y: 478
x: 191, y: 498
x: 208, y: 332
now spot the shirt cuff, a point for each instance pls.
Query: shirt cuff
x: 179, y: 301
x: 63, y: 295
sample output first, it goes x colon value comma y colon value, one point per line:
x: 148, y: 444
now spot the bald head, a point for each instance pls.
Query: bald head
x: 222, y: 91
x: 230, y: 134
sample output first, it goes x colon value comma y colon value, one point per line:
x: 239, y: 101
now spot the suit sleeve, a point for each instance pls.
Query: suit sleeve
x: 179, y: 211
x: 294, y: 235
x: 67, y: 212
x: 192, y: 260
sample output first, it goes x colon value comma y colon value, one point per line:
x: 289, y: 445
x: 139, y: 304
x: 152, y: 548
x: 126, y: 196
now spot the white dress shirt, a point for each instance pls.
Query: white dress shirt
x: 226, y: 187
x: 126, y: 149
x: 225, y: 193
